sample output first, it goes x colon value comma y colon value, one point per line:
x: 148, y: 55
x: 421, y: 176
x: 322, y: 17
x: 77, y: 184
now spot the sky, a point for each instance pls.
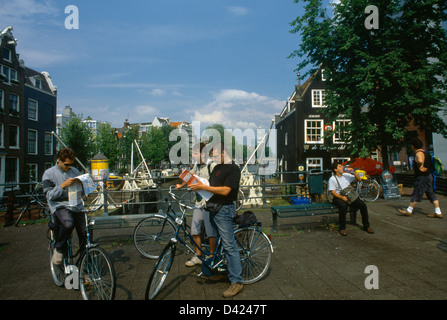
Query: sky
x: 213, y: 61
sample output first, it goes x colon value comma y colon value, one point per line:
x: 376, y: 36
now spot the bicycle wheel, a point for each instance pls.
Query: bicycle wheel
x: 152, y: 234
x: 256, y: 253
x: 240, y: 200
x: 160, y: 272
x: 369, y: 190
x: 57, y: 271
x: 97, y: 275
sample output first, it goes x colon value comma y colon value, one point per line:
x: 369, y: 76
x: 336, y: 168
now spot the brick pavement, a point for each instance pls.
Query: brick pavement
x: 311, y: 261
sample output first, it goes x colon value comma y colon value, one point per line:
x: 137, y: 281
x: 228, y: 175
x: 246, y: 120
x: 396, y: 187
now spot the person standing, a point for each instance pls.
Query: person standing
x: 424, y: 181
x: 224, y: 184
x: 200, y: 217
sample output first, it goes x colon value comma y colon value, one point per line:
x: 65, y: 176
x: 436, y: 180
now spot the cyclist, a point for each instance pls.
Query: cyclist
x: 224, y: 184
x: 56, y: 181
x: 200, y: 216
x: 340, y: 201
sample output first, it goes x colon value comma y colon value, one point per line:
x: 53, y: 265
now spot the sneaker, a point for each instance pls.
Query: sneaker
x: 57, y: 257
x: 435, y: 215
x: 404, y: 212
x: 233, y: 290
x: 193, y: 261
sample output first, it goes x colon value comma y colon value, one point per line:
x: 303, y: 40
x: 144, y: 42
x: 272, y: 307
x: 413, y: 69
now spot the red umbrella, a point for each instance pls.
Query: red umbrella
x: 372, y: 167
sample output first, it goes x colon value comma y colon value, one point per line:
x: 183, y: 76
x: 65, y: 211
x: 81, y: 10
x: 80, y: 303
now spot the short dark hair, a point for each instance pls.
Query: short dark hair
x: 66, y: 153
x: 334, y: 166
x: 416, y: 143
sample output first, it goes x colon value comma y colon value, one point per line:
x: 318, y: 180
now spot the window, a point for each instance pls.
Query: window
x: 32, y: 109
x: 314, y: 164
x: 38, y: 83
x: 318, y: 99
x: 32, y: 170
x: 11, y: 170
x: 9, y: 74
x: 14, y: 136
x: 313, y: 131
x: 48, y: 144
x: 2, y: 103
x: 13, y: 102
x: 341, y: 134
x: 339, y: 159
x: 7, y: 54
x: 32, y: 141
x: 286, y: 135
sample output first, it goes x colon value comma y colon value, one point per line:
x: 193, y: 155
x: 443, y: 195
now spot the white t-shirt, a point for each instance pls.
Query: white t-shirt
x: 345, y: 180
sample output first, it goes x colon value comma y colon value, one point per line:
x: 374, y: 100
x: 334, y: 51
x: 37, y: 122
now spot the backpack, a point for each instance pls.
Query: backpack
x: 437, y: 168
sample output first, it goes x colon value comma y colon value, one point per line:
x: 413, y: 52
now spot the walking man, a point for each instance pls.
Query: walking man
x: 424, y: 181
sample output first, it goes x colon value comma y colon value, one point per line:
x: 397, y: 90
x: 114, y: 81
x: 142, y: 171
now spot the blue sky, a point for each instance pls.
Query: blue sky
x: 214, y: 61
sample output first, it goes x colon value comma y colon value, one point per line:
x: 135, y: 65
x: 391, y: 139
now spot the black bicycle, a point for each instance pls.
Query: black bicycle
x: 93, y: 272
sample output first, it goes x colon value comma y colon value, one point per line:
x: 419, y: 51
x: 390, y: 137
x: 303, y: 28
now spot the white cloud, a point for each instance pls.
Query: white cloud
x: 239, y: 109
x: 21, y: 9
x: 144, y: 112
x: 237, y: 10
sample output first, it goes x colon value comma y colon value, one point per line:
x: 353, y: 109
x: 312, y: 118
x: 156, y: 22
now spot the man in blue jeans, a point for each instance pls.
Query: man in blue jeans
x: 56, y: 181
x: 224, y: 184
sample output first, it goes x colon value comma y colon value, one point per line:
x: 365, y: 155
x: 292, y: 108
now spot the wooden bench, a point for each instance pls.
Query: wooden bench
x: 301, y: 210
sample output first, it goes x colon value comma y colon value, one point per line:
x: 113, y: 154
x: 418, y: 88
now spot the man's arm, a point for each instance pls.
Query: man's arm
x: 420, y: 159
x: 221, y: 191
x: 53, y: 191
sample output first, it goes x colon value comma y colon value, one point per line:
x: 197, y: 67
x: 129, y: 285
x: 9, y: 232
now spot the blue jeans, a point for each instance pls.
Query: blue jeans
x: 223, y: 221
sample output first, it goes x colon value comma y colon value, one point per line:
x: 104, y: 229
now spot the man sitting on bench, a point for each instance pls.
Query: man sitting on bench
x: 338, y: 182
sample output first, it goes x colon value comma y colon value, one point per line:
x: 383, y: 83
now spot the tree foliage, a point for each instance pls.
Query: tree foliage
x: 382, y: 79
x: 107, y: 143
x: 77, y: 136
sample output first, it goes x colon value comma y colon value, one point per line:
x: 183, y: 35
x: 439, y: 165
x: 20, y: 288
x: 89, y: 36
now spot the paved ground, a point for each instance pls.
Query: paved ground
x: 311, y: 261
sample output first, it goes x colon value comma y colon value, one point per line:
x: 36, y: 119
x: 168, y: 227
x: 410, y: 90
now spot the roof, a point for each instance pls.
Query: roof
x: 45, y: 80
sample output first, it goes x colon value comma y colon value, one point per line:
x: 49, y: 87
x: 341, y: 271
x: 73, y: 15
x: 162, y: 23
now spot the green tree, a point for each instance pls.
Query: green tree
x: 107, y: 143
x: 154, y: 146
x: 77, y: 136
x: 382, y: 79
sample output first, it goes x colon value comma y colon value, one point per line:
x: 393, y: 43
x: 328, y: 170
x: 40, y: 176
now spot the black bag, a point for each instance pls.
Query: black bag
x: 213, y: 208
x: 247, y: 218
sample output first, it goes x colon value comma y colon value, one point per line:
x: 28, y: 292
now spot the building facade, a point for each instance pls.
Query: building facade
x: 28, y: 102
x: 40, y: 108
x: 12, y: 97
x: 300, y: 128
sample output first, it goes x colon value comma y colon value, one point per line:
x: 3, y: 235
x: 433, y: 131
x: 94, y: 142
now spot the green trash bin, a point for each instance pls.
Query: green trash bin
x: 316, y: 183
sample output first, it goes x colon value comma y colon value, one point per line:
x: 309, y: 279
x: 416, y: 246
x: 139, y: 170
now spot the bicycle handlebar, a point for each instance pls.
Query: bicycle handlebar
x: 178, y: 199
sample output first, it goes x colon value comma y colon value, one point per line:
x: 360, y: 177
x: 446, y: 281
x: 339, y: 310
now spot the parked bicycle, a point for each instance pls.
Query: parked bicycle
x: 95, y: 274
x: 368, y: 188
x: 254, y: 245
x: 36, y: 201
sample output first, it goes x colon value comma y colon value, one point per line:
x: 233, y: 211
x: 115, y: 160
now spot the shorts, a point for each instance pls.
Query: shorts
x: 423, y: 184
x: 201, y: 217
